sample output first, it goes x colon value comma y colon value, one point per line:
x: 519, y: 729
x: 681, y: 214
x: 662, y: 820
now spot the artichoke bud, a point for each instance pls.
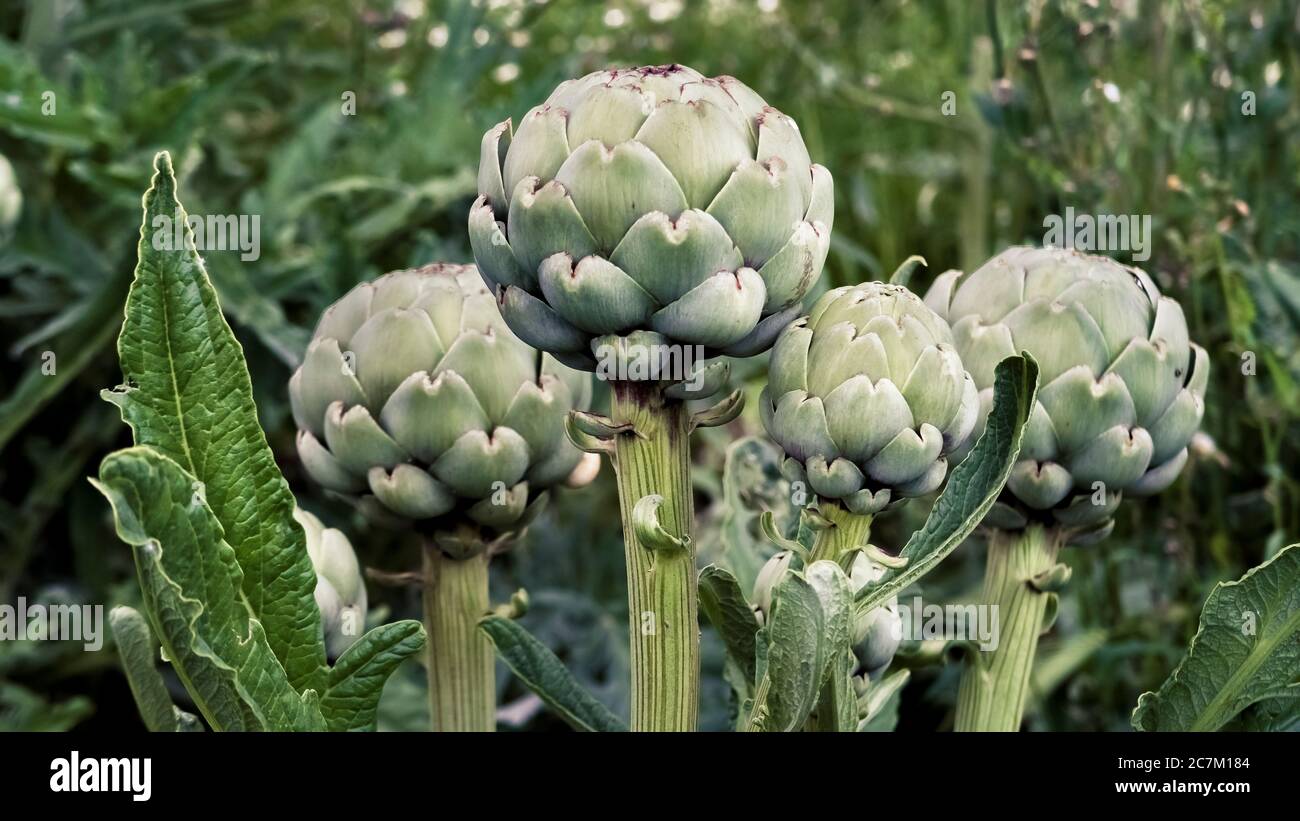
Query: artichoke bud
x: 769, y: 576
x: 340, y: 587
x: 868, y: 397
x: 1121, y: 386
x: 878, y: 634
x: 417, y: 401
x: 641, y: 220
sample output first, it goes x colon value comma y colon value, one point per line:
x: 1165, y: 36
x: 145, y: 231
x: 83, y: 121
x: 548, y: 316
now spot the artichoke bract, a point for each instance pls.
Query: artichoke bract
x: 867, y: 396
x: 654, y: 204
x: 340, y: 587
x: 1121, y: 386
x: 415, y: 394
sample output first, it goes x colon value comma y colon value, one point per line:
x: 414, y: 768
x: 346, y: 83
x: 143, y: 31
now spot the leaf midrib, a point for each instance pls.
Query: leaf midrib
x: 1210, y: 719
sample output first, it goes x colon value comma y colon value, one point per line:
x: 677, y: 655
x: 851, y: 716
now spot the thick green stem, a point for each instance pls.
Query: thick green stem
x: 661, y: 584
x: 462, y: 680
x: 995, y: 685
x: 847, y: 532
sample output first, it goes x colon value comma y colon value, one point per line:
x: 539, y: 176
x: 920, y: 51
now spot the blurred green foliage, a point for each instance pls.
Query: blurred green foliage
x: 351, y: 127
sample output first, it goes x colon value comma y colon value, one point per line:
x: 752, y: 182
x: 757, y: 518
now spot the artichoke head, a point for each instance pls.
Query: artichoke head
x: 415, y: 398
x: 340, y: 588
x: 1121, y: 386
x: 867, y: 397
x: 654, y: 205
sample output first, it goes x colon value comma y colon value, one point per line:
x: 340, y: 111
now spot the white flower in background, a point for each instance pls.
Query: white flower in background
x: 340, y: 589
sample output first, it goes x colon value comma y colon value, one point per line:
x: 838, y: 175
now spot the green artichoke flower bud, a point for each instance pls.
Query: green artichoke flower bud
x: 878, y: 634
x: 340, y: 588
x: 867, y: 396
x: 11, y: 197
x: 769, y: 576
x: 414, y: 395
x: 652, y: 201
x: 1121, y: 386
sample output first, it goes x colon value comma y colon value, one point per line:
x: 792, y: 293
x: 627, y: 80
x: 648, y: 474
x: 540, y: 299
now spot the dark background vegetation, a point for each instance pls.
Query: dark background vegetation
x: 1110, y: 106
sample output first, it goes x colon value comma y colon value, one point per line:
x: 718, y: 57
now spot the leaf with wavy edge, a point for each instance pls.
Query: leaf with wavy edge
x: 192, y: 591
x: 973, y: 486
x: 187, y: 394
x: 1246, y: 650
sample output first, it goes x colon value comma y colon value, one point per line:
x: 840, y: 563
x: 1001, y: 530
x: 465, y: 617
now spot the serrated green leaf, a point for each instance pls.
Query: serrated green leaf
x: 973, y: 486
x: 730, y: 614
x: 1247, y: 649
x: 357, y: 679
x: 187, y: 394
x: 138, y: 651
x: 544, y: 674
x: 192, y: 591
x: 791, y: 656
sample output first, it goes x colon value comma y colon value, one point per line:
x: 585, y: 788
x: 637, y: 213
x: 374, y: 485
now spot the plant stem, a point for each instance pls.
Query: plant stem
x: 661, y: 584
x: 995, y: 685
x: 462, y: 680
x: 847, y: 531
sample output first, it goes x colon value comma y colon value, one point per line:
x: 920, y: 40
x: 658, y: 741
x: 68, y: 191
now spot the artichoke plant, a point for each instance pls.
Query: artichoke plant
x: 868, y: 397
x: 340, y: 587
x: 1121, y: 386
x: 638, y: 223
x: 417, y: 401
x: 1121, y: 393
x: 653, y: 202
x: 415, y: 396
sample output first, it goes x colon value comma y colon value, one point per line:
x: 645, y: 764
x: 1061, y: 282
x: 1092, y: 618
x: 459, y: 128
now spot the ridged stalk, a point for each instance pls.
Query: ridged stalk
x: 661, y: 584
x: 995, y: 685
x: 462, y: 681
x: 847, y: 531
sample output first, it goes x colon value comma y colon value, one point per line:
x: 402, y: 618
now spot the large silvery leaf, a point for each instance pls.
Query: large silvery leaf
x: 186, y: 393
x: 191, y: 584
x: 1247, y: 649
x: 724, y: 604
x: 751, y: 484
x: 792, y: 656
x: 973, y: 486
x: 139, y: 652
x: 357, y: 679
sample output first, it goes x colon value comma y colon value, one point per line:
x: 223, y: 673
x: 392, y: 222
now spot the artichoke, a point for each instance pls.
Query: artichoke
x: 876, y: 635
x: 416, y: 397
x: 340, y: 588
x: 867, y: 397
x: 654, y: 205
x: 1121, y: 386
